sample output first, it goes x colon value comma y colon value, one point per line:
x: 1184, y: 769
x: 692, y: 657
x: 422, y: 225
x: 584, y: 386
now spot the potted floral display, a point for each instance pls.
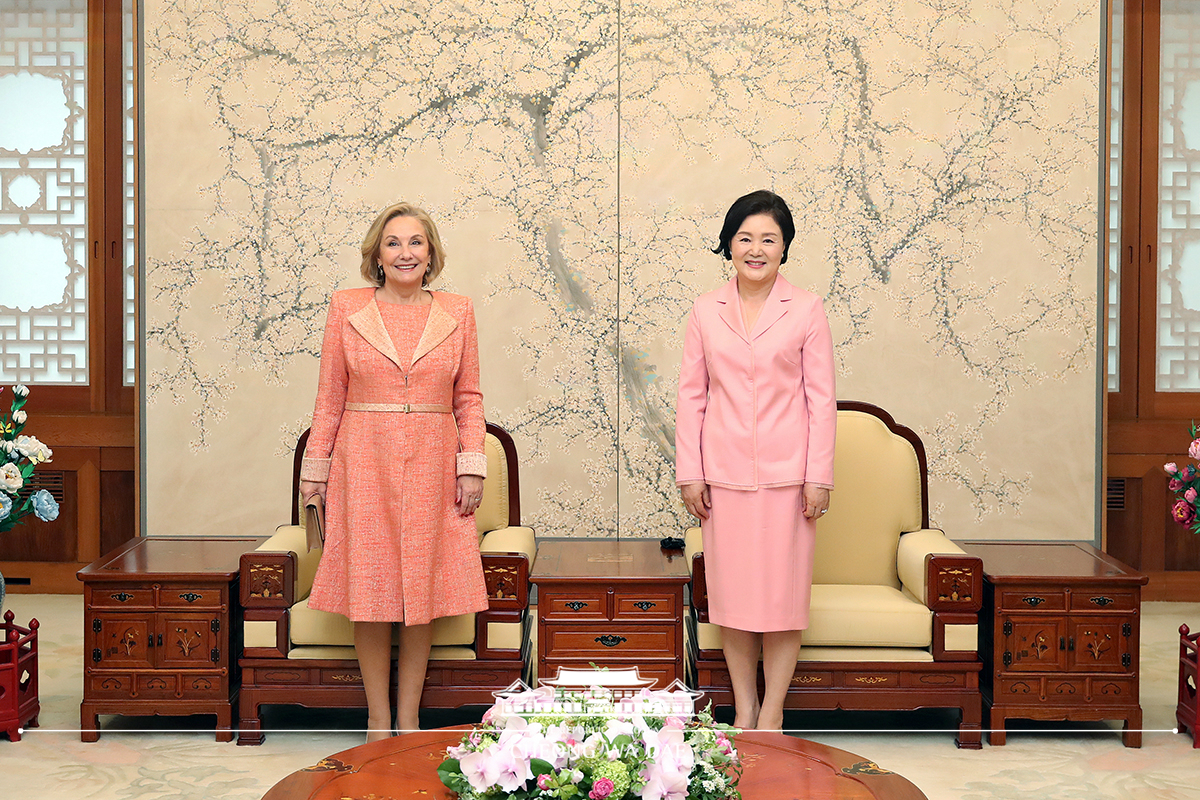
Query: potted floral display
x: 1185, y: 483
x: 19, y: 457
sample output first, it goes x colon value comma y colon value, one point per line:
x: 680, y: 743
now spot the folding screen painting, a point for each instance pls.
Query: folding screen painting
x: 940, y: 158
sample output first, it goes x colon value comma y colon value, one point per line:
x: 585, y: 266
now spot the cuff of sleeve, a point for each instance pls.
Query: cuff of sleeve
x: 472, y: 464
x: 315, y: 469
x: 689, y: 481
x: 828, y: 486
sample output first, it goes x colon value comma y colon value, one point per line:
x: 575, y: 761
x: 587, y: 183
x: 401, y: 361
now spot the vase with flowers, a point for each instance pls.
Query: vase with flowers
x: 20, y: 455
x: 1185, y: 483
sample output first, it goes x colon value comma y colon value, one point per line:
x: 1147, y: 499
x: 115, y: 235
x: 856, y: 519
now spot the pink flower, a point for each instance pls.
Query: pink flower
x: 601, y: 789
x: 1183, y: 512
x: 1190, y: 495
x: 1171, y: 468
x: 1194, y: 449
x: 543, y: 781
x: 1174, y: 484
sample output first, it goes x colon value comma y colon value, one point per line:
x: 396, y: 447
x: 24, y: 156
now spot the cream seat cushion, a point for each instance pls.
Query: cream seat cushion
x: 867, y: 616
x: 312, y: 627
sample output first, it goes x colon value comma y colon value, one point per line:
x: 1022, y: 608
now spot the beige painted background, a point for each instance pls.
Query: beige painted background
x: 940, y: 159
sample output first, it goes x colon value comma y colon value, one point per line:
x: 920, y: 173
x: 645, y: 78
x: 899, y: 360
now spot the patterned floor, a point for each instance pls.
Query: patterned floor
x: 176, y: 759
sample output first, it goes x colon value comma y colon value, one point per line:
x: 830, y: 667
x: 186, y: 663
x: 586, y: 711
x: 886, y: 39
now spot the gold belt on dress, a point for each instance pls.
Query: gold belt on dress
x: 401, y: 408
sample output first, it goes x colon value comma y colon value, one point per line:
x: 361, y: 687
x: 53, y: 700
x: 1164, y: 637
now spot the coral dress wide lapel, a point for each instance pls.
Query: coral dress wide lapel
x: 368, y: 321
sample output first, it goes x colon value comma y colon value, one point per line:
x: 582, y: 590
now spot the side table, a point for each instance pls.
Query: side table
x: 610, y: 603
x: 1062, y: 641
x: 161, y: 630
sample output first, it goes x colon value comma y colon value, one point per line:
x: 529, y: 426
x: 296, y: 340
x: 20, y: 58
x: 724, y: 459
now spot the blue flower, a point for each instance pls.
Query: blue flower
x: 5, y: 505
x: 45, y: 506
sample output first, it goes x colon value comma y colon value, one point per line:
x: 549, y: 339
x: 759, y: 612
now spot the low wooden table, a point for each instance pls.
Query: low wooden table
x: 161, y: 630
x: 1059, y: 635
x: 612, y: 604
x: 776, y: 766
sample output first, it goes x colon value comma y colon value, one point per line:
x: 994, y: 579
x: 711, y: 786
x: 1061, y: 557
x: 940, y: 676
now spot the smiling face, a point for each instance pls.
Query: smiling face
x: 404, y: 253
x: 757, y: 250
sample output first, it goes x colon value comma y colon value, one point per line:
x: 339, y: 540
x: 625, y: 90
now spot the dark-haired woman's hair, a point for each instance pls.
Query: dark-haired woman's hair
x: 760, y: 202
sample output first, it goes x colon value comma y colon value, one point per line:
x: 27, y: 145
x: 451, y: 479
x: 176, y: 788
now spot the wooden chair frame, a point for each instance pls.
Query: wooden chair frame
x: 268, y: 676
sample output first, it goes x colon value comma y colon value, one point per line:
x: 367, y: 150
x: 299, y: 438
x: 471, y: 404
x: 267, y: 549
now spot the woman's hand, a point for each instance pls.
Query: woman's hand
x: 309, y: 488
x: 816, y: 501
x: 697, y: 498
x: 469, y: 495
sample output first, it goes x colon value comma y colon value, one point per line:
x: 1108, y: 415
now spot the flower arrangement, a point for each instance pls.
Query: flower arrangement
x: 640, y: 747
x: 1185, y: 483
x: 19, y: 456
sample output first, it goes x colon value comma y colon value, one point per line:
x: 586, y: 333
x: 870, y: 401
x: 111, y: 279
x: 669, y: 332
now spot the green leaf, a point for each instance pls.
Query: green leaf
x: 450, y: 774
x: 540, y: 767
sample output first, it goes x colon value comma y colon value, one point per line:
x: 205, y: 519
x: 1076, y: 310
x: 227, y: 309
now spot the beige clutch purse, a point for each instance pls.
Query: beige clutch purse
x: 314, y: 522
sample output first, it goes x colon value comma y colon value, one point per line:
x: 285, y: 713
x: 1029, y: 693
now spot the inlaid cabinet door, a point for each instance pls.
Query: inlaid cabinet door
x: 121, y: 641
x: 1034, y: 644
x: 1099, y: 644
x: 188, y: 640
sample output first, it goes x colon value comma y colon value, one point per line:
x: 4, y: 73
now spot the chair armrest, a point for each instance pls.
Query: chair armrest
x: 267, y: 574
x: 507, y: 555
x: 939, y: 572
x: 693, y: 551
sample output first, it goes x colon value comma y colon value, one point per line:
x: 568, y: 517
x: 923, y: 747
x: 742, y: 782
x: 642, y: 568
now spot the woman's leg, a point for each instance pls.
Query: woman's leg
x: 373, y: 645
x: 410, y: 674
x: 741, y: 656
x: 781, y: 649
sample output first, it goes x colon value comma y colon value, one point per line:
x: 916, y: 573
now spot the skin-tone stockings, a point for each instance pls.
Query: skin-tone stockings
x: 373, y: 644
x: 780, y: 651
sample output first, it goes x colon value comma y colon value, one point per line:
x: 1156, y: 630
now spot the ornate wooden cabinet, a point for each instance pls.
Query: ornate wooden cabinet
x: 1061, y: 642
x: 159, y: 630
x: 610, y: 603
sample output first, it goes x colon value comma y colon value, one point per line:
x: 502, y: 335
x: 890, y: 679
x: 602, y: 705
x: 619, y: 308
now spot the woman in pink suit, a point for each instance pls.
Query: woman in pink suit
x: 396, y: 450
x: 754, y: 431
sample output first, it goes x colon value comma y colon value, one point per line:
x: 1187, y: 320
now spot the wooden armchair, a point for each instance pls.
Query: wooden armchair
x: 294, y: 655
x: 895, y: 604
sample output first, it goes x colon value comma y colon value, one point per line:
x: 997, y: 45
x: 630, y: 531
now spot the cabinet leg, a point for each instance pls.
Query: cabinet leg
x: 1132, y: 732
x: 225, y: 724
x: 998, y: 736
x: 89, y: 724
x: 14, y: 732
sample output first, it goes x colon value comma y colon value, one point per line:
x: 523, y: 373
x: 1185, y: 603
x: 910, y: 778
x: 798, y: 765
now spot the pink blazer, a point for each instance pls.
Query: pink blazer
x: 756, y: 411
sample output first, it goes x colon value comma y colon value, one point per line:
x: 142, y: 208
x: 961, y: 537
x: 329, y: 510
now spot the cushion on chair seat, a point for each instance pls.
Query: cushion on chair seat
x: 347, y: 653
x: 322, y: 628
x: 867, y: 616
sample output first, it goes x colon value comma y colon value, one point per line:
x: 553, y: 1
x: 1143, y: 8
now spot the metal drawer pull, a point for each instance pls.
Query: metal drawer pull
x: 608, y: 640
x: 576, y: 605
x: 1034, y: 601
x: 121, y: 597
x: 1103, y: 601
x: 645, y: 605
x: 191, y: 597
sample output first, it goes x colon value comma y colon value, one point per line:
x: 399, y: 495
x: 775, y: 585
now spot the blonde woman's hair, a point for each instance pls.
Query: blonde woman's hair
x: 371, y: 272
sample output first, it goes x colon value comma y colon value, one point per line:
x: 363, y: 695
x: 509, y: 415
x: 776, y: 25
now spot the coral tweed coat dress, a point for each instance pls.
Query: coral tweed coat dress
x: 756, y: 420
x: 395, y: 548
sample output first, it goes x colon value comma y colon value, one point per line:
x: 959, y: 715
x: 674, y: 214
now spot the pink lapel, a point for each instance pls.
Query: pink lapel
x: 774, y: 308
x: 730, y: 308
x: 369, y: 324
x: 439, y: 325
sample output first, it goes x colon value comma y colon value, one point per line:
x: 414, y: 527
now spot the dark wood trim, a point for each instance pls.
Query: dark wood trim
x: 906, y: 433
x: 297, y: 462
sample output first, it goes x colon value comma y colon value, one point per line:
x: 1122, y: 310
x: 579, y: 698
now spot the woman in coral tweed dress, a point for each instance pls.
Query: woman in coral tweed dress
x: 396, y: 449
x: 754, y: 431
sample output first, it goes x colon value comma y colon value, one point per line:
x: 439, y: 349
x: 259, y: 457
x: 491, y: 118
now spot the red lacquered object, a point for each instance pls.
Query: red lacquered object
x: 18, y: 678
x: 1187, y: 713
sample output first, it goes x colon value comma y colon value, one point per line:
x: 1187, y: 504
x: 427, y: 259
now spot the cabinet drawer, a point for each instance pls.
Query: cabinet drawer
x: 203, y: 685
x: 647, y: 605
x: 122, y: 597
x: 109, y: 685
x: 590, y: 603
x: 596, y: 642
x: 1102, y: 600
x: 1031, y: 600
x: 155, y: 685
x: 191, y: 596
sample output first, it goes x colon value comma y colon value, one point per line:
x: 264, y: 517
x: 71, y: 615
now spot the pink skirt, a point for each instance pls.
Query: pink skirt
x: 758, y: 559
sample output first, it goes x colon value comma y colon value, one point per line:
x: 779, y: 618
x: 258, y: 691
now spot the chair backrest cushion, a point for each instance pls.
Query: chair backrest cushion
x: 493, y: 509
x: 877, y: 496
